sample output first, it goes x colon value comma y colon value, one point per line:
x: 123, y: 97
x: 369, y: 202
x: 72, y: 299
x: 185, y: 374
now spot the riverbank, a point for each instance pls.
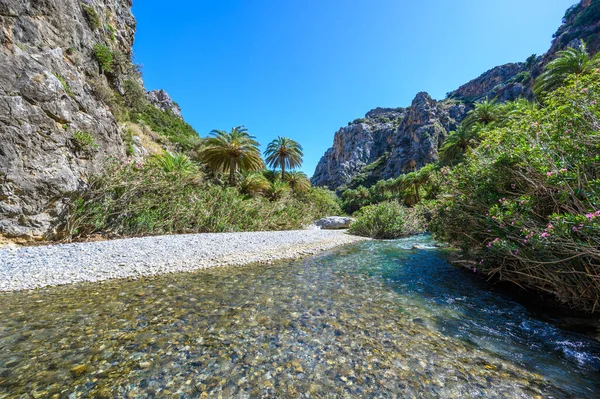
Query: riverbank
x: 23, y: 268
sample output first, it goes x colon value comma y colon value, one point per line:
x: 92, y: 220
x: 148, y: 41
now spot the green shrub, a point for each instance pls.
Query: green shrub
x: 83, y: 141
x: 523, y: 77
x: 91, y: 16
x: 387, y: 220
x: 322, y: 201
x: 168, y: 125
x: 134, y: 95
x: 104, y: 56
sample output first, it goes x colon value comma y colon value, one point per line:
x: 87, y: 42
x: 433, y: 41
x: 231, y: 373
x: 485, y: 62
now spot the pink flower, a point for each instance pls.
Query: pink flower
x: 549, y: 174
x: 545, y: 234
x: 575, y: 228
x: 584, y: 90
x: 593, y: 102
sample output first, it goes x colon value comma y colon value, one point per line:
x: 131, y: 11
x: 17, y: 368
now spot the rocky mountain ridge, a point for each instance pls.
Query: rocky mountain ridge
x: 391, y: 141
x: 66, y: 75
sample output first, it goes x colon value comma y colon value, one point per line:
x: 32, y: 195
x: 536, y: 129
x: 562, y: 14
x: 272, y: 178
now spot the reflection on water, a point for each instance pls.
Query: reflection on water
x: 374, y: 319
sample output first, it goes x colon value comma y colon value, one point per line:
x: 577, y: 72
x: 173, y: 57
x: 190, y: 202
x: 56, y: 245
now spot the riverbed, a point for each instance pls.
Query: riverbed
x: 377, y: 319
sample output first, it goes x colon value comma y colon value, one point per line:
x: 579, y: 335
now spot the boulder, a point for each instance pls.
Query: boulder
x: 334, y: 222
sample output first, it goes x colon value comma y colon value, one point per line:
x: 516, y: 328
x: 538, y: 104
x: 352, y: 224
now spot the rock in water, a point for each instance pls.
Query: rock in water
x: 334, y: 222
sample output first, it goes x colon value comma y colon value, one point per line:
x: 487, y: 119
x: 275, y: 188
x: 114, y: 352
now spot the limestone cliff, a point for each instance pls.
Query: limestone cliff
x: 391, y: 141
x: 65, y: 68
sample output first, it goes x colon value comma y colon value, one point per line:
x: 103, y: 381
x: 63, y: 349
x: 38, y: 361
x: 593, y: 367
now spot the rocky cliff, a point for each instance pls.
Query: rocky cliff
x: 391, y: 141
x: 65, y: 73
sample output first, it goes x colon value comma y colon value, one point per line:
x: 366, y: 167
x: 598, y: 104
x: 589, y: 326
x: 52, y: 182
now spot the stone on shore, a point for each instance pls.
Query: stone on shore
x: 334, y: 222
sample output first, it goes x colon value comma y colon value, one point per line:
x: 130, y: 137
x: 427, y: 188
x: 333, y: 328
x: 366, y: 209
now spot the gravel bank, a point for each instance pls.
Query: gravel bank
x: 34, y: 267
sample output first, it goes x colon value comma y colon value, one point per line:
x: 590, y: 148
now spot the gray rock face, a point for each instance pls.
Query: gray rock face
x: 47, y: 66
x: 496, y: 83
x: 401, y: 139
x: 161, y: 100
x: 334, y: 222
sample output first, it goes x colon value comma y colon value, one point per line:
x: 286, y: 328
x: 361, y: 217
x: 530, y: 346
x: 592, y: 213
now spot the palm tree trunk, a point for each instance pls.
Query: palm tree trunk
x: 232, y: 172
x: 282, y: 169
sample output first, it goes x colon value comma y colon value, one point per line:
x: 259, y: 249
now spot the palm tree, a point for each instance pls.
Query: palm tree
x: 174, y: 163
x: 410, y: 184
x: 570, y: 61
x: 298, y: 181
x: 277, y: 190
x: 254, y: 184
x: 485, y: 112
x: 233, y: 151
x: 284, y: 152
x: 457, y: 143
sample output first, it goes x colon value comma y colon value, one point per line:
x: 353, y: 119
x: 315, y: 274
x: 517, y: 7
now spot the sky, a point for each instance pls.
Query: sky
x: 304, y: 68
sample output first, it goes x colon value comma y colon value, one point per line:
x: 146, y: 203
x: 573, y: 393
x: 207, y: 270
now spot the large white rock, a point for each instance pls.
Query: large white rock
x: 334, y: 222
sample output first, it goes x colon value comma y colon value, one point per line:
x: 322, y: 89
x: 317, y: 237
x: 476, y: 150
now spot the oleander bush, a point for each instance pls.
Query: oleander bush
x: 525, y: 203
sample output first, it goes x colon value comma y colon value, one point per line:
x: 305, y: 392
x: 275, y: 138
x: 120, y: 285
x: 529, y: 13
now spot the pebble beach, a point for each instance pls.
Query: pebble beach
x: 23, y: 268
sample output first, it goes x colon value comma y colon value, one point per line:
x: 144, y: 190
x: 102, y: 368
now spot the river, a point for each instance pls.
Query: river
x: 376, y: 319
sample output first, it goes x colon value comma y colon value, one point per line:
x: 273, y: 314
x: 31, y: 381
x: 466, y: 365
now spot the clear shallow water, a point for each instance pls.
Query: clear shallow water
x: 375, y: 319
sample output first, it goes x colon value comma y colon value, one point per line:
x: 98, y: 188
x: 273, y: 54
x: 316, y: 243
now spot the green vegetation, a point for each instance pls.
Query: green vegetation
x: 84, y: 142
x: 91, y: 16
x: 111, y: 31
x: 523, y: 77
x: 570, y: 61
x: 387, y: 220
x: 168, y: 194
x: 134, y: 96
x: 64, y: 84
x: 298, y: 181
x: 284, y: 152
x: 232, y: 152
x: 165, y: 123
x: 366, y: 176
x: 104, y: 56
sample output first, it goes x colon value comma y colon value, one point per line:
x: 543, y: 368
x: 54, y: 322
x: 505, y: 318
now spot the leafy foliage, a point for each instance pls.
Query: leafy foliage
x: 91, y: 16
x: 570, y: 61
x: 84, y: 141
x: 104, y: 56
x: 387, y: 220
x: 175, y: 129
x: 134, y: 96
x: 176, y: 163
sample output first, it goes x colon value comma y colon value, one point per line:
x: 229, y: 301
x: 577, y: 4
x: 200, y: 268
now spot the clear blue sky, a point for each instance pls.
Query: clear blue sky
x: 304, y: 68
